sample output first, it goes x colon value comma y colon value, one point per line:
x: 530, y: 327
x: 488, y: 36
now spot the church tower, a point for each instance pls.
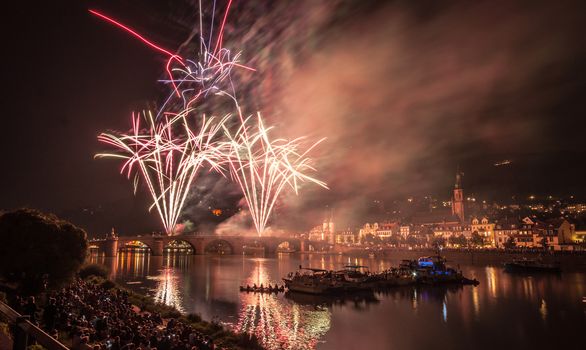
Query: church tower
x: 458, y: 199
x: 331, y: 228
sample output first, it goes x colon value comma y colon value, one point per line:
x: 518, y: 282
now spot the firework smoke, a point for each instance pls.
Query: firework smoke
x: 263, y: 167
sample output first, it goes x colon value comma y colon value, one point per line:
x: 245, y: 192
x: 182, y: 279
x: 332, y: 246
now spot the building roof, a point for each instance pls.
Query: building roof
x: 508, y: 224
x: 435, y: 217
x: 550, y: 223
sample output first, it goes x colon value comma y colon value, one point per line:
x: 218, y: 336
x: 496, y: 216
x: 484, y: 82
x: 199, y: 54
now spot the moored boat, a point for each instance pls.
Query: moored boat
x: 312, y: 281
x: 357, y: 277
x: 430, y: 270
x: 433, y: 270
x: 531, y: 265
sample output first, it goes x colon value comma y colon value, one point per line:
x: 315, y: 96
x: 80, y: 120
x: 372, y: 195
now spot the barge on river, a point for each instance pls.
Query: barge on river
x: 531, y: 265
x: 354, y: 278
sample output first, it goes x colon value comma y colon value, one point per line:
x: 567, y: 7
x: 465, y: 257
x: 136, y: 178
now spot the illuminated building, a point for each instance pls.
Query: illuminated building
x: 505, y: 230
x: 447, y: 231
x: 324, y: 232
x: 554, y: 234
x: 524, y: 237
x: 329, y: 228
x: 405, y: 230
x: 576, y: 208
x: 579, y: 236
x: 368, y: 229
x: 458, y: 198
x: 485, y: 229
x: 346, y: 237
x: 382, y: 230
x: 520, y: 231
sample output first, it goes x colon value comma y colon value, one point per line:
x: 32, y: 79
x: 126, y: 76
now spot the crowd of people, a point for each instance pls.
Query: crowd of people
x: 100, y: 319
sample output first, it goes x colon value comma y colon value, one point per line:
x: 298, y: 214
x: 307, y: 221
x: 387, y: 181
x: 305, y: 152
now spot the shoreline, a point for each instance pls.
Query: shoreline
x: 143, y: 306
x: 223, y: 337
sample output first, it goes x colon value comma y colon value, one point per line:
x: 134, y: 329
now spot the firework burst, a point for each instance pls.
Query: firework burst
x: 263, y: 167
x: 168, y: 156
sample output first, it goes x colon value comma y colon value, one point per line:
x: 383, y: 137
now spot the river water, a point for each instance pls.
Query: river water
x: 504, y: 312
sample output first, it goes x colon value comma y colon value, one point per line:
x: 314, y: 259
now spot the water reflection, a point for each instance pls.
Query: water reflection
x: 537, y: 309
x: 357, y: 301
x: 167, y: 290
x: 543, y: 309
x: 277, y: 323
x: 282, y: 325
x: 134, y: 264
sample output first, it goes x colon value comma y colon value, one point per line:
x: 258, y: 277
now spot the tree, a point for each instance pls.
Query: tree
x: 38, y: 248
x: 413, y: 240
x: 393, y: 240
x: 372, y: 239
x: 476, y: 239
x: 510, y: 243
x: 458, y: 240
x: 439, y: 242
x: 544, y: 243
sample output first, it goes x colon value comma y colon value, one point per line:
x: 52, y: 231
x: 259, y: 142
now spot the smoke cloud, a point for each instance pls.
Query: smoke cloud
x: 403, y: 92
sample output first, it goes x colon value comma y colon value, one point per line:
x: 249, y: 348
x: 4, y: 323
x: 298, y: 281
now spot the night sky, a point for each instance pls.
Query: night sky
x: 404, y: 93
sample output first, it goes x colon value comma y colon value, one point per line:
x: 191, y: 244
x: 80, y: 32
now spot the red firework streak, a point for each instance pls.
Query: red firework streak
x: 172, y: 56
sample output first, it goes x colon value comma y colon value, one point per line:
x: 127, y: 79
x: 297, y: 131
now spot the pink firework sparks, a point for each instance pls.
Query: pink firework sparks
x: 168, y: 155
x: 167, y: 163
x: 263, y: 167
x: 196, y: 79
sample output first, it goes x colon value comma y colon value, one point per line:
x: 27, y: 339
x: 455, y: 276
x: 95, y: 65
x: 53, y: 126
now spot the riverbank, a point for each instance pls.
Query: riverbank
x: 97, y: 312
x: 568, y: 261
x: 218, y: 335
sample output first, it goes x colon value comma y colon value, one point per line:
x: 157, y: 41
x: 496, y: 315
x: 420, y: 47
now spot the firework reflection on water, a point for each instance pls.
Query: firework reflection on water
x: 277, y: 322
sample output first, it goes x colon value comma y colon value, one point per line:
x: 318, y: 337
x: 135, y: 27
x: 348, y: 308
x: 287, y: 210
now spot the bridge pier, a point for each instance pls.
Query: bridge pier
x: 111, y: 247
x: 157, y: 246
x: 303, y: 246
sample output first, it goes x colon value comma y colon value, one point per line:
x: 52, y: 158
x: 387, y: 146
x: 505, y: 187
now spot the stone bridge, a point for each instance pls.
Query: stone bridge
x: 201, y: 243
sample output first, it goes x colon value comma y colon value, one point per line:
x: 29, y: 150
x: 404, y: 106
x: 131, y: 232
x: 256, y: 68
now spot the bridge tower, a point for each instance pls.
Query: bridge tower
x: 111, y: 244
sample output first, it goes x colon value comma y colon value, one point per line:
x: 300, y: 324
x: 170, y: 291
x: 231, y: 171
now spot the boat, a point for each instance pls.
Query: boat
x: 429, y: 270
x: 355, y: 273
x: 395, y: 277
x: 531, y: 265
x: 433, y: 270
x: 261, y: 289
x: 312, y: 281
x: 357, y: 277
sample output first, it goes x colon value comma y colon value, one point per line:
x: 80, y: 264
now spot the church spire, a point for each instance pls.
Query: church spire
x: 458, y: 198
x: 458, y: 178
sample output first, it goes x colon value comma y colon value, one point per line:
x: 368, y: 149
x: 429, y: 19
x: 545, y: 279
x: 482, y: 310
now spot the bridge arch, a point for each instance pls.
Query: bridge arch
x: 287, y: 246
x: 179, y: 246
x: 219, y: 246
x: 253, y: 247
x: 135, y: 246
